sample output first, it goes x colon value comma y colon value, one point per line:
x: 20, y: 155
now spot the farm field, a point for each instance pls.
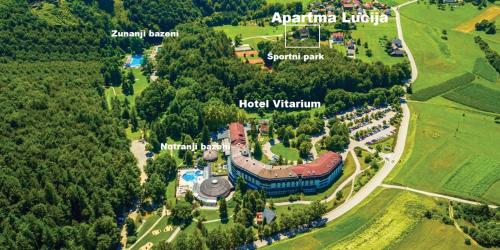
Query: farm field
x: 478, y: 96
x: 432, y: 234
x: 484, y: 69
x: 454, y: 151
x: 374, y: 36
x: 388, y: 216
x: 288, y: 153
x: 437, y: 59
x: 489, y: 14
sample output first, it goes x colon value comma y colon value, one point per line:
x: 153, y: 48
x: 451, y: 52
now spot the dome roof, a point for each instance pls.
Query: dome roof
x: 215, y: 187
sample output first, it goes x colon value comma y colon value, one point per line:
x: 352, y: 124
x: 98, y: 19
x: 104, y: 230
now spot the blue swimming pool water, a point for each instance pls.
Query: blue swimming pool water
x: 191, y: 175
x: 136, y: 60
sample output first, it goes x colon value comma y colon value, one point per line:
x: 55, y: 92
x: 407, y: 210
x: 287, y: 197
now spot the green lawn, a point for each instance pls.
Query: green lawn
x: 288, y: 153
x: 374, y: 36
x: 140, y: 84
x: 155, y: 239
x: 455, y: 151
x: 251, y: 30
x: 437, y: 59
x: 386, y: 144
x: 484, y: 69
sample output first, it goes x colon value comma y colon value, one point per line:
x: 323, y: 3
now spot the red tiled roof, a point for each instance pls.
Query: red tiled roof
x: 338, y: 35
x: 324, y: 164
x: 237, y: 134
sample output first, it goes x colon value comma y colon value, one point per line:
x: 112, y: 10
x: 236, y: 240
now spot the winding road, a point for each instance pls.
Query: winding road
x: 392, y: 160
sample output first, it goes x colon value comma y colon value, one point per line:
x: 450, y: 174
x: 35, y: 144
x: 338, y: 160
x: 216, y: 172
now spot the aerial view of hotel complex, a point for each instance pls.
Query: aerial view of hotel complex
x: 245, y: 124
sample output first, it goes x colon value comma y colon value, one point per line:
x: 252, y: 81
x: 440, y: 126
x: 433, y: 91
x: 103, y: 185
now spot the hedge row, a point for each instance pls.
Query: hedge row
x: 428, y: 93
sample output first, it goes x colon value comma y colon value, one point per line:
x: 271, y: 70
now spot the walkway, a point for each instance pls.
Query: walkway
x: 451, y: 198
x: 414, y: 70
x: 138, y: 149
x: 163, y: 214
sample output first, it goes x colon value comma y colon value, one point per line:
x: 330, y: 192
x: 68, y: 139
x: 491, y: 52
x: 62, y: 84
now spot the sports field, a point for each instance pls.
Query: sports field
x: 452, y: 149
x: 489, y: 14
x: 438, y: 59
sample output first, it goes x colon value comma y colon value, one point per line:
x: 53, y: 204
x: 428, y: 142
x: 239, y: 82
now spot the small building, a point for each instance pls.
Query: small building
x: 243, y: 47
x: 304, y: 33
x: 387, y: 12
x: 264, y: 127
x: 269, y: 215
x: 210, y: 155
x: 348, y: 6
x: 397, y: 48
x: 368, y: 6
x: 337, y: 37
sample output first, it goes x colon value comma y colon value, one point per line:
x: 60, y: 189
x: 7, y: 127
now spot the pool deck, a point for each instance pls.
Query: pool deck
x: 185, y: 185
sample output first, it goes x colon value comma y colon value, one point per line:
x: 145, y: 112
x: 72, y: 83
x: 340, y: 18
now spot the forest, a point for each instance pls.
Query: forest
x: 66, y: 172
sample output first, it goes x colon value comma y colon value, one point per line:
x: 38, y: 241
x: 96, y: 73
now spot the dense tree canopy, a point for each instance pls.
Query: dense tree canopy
x: 66, y: 172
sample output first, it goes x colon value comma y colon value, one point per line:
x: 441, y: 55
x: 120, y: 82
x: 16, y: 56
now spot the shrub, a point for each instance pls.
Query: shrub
x: 428, y: 93
x: 467, y: 241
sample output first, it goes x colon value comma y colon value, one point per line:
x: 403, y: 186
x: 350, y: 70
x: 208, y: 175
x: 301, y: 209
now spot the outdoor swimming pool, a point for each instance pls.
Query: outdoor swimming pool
x: 192, y: 175
x: 136, y: 60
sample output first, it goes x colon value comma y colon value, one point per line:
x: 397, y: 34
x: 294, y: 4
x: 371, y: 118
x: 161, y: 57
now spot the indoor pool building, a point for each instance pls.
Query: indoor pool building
x: 280, y: 180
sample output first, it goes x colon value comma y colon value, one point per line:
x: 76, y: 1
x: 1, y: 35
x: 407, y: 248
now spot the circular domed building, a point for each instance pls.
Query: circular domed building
x: 210, y: 155
x: 212, y: 189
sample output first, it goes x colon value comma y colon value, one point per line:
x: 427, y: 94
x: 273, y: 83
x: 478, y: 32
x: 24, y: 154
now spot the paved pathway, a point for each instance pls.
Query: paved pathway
x: 435, y: 195
x: 414, y: 71
x: 174, y: 234
x: 163, y: 213
x: 138, y: 148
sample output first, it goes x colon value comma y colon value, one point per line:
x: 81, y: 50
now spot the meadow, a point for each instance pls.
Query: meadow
x: 433, y: 234
x: 376, y: 37
x: 386, y: 219
x: 251, y: 33
x: 140, y: 84
x: 451, y: 149
x: 437, y: 59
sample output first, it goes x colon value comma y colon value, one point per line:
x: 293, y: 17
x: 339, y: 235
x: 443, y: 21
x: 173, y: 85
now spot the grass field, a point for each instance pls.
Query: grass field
x: 374, y: 36
x: 484, y: 69
x: 432, y: 234
x: 454, y: 152
x: 489, y: 14
x: 251, y: 30
x: 477, y: 96
x: 342, y: 227
x: 437, y: 59
x: 387, y: 219
x: 140, y: 84
x: 304, y: 2
x: 290, y: 154
x: 155, y: 239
